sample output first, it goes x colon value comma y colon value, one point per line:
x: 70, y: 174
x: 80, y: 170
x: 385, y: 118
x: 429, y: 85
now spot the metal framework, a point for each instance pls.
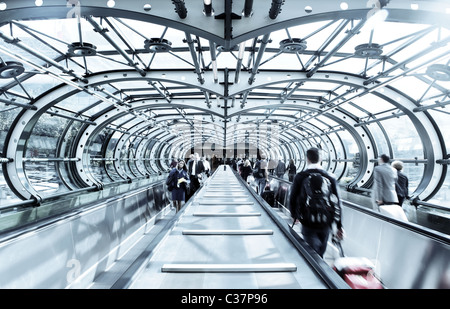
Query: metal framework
x: 126, y: 86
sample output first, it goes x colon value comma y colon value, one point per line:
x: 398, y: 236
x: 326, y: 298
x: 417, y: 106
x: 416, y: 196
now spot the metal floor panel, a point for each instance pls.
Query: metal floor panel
x: 227, y: 232
x: 227, y: 268
x: 226, y: 214
x: 226, y: 260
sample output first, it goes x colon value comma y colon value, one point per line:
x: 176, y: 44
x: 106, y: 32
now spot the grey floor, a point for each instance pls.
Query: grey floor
x: 221, y: 208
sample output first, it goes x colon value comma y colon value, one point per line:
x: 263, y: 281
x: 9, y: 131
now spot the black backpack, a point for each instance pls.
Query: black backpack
x: 257, y: 171
x: 317, y: 211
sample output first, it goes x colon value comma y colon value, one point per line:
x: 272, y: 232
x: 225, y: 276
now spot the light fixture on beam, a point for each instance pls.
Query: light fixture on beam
x: 248, y: 8
x: 275, y: 8
x: 180, y: 8
x: 207, y: 8
x: 11, y: 69
x: 158, y: 45
x: 440, y: 72
x: 293, y: 45
x: 371, y: 50
x: 78, y: 49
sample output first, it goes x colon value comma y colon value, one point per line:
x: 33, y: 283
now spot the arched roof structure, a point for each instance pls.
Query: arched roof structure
x: 96, y: 92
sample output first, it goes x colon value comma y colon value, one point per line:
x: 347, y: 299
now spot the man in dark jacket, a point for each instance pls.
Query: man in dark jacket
x: 196, y: 171
x: 401, y: 185
x: 316, y: 235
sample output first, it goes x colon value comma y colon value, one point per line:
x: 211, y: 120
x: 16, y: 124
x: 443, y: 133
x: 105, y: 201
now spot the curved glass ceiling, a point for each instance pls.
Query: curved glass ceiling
x: 108, y: 92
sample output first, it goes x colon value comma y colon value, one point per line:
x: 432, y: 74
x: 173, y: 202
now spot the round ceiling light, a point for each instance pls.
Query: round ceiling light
x: 11, y: 69
x: 292, y: 45
x: 78, y: 49
x: 440, y: 72
x: 369, y: 50
x: 157, y: 45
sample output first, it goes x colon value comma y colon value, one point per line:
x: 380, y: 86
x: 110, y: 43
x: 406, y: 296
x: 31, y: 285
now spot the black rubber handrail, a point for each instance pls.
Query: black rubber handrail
x: 430, y: 233
x: 325, y: 272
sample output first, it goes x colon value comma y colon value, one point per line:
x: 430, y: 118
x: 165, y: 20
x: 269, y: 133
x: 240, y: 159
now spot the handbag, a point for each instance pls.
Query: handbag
x: 393, y: 211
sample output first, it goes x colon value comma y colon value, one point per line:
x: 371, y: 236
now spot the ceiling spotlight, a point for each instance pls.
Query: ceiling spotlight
x: 180, y: 8
x: 275, y: 8
x: 78, y: 49
x: 207, y: 8
x: 344, y: 6
x: 440, y: 72
x: 292, y: 45
x: 368, y: 50
x: 157, y: 45
x: 11, y: 69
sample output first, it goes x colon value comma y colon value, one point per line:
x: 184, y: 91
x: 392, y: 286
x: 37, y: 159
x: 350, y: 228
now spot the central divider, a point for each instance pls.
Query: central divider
x: 223, y: 190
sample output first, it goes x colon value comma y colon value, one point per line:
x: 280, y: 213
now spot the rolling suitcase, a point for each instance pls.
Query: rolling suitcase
x: 269, y: 196
x: 357, y: 272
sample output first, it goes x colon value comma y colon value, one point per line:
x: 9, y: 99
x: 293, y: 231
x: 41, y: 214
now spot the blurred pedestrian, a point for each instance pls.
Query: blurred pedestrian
x: 385, y: 177
x: 401, y: 185
x: 178, y: 182
x: 292, y: 170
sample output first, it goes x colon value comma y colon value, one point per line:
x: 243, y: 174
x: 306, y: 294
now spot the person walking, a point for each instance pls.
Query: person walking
x: 401, y: 185
x: 385, y: 177
x: 315, y: 202
x: 260, y: 172
x: 280, y: 169
x: 178, y: 181
x: 292, y: 170
x: 196, y: 171
x: 246, y: 170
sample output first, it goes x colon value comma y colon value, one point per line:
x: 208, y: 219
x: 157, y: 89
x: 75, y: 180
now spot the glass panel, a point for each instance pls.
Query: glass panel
x: 373, y: 104
x: 442, y: 197
x: 339, y: 153
x: 7, y: 196
x: 443, y: 123
x: 380, y: 139
x: 414, y: 173
x: 97, y: 164
x: 42, y: 144
x: 7, y: 116
x: 352, y: 152
x: 406, y: 143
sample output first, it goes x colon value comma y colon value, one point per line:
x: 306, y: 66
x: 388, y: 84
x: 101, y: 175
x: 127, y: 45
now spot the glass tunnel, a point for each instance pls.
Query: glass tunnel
x: 100, y: 93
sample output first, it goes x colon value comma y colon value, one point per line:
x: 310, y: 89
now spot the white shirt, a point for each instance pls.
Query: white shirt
x: 194, y: 163
x: 207, y: 166
x: 314, y: 166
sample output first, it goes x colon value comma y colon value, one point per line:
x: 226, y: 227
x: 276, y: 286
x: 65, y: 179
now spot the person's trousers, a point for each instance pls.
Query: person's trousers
x: 316, y: 238
x: 261, y: 185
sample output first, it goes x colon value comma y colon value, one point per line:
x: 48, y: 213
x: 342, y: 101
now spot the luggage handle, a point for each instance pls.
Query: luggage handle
x: 338, y: 245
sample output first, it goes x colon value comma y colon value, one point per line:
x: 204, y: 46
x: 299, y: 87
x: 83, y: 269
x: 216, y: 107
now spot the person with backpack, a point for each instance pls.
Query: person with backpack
x: 261, y: 174
x: 315, y: 202
x: 177, y: 182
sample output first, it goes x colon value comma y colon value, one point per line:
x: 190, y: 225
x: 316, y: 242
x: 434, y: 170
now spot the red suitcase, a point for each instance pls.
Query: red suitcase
x: 357, y: 272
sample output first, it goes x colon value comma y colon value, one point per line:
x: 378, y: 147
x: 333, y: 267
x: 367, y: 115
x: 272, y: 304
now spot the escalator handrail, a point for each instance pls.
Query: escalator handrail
x: 430, y: 233
x: 328, y: 275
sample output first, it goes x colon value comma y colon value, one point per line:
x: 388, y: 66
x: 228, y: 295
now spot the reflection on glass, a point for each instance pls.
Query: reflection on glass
x: 351, y: 153
x: 442, y: 197
x: 6, y: 194
x: 406, y: 143
x: 43, y: 175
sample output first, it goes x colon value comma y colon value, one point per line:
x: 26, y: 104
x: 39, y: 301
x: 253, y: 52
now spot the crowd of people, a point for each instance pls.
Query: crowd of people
x: 314, y: 200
